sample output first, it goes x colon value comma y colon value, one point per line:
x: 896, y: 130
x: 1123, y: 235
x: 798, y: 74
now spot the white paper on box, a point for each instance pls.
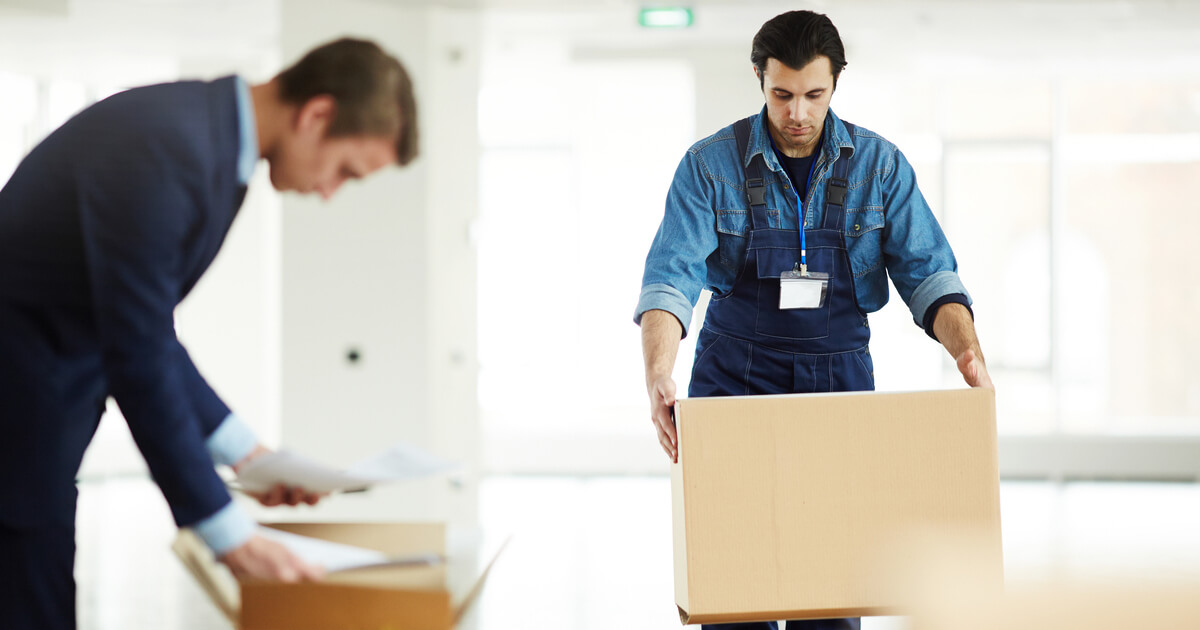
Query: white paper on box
x: 334, y: 556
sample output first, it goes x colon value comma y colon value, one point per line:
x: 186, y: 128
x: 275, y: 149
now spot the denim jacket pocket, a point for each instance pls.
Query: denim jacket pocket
x: 864, y: 240
x: 731, y: 237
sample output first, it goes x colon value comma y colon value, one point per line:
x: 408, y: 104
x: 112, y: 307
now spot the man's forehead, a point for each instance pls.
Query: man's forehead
x: 369, y: 150
x: 818, y: 70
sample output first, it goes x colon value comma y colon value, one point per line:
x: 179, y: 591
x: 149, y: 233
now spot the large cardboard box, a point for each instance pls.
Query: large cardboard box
x: 803, y: 506
x: 376, y: 598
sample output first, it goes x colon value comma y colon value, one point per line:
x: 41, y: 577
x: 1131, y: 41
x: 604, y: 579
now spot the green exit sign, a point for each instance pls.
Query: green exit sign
x: 665, y: 17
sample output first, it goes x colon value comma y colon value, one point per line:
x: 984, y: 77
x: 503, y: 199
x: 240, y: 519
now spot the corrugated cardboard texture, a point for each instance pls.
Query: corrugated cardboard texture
x: 798, y: 506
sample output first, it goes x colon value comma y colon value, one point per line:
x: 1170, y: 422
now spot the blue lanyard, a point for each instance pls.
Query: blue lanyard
x: 800, y: 203
x: 803, y: 212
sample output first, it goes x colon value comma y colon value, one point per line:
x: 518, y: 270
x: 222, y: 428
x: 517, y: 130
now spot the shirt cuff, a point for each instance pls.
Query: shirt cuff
x: 935, y: 287
x: 231, y: 441
x: 664, y: 297
x: 931, y: 314
x: 227, y: 529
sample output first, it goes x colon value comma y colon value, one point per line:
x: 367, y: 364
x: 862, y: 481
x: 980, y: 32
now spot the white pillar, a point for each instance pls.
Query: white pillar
x: 385, y: 269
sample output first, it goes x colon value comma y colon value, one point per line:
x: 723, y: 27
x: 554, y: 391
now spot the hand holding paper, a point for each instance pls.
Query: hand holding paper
x: 279, y: 494
x: 266, y: 559
x: 402, y: 461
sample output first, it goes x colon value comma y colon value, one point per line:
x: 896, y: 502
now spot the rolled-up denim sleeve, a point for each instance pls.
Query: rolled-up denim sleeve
x: 676, y: 267
x: 918, y: 255
x: 931, y: 293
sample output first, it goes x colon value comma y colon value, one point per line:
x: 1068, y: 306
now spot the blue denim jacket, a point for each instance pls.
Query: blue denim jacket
x: 890, y: 230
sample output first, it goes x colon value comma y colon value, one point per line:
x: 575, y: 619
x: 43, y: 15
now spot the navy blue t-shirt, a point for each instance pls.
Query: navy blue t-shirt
x: 797, y: 170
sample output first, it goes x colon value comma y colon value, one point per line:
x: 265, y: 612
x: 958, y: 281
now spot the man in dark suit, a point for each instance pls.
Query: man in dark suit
x: 104, y: 228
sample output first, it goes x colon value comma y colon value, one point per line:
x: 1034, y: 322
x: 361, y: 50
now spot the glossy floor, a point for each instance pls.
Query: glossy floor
x: 594, y: 553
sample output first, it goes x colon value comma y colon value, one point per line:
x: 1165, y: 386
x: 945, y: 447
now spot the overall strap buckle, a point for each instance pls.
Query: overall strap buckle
x: 756, y: 186
x: 836, y: 192
x: 756, y: 191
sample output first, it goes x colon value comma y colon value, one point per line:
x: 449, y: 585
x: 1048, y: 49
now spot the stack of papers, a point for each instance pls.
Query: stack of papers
x: 402, y: 461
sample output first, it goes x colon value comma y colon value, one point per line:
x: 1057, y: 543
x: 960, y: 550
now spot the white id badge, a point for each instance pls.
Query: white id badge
x: 802, y: 290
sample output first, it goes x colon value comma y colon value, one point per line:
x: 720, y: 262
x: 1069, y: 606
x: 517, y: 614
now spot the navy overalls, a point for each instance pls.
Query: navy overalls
x: 749, y: 346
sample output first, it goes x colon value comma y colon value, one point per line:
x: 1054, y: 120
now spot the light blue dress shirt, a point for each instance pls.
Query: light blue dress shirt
x: 229, y: 527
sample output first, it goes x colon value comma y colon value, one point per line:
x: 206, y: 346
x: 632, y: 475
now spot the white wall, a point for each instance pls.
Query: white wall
x: 384, y: 268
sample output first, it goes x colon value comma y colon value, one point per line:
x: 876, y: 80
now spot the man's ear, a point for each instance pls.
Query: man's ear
x: 316, y: 115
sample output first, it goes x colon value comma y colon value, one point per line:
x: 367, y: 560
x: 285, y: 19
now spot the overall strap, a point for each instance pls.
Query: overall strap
x: 835, y: 189
x: 756, y: 186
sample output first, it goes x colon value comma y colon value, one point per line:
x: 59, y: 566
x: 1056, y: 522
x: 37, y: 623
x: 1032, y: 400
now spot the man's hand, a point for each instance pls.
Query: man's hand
x: 974, y: 370
x: 661, y: 332
x: 280, y: 494
x: 662, y: 404
x: 262, y: 559
x: 954, y: 328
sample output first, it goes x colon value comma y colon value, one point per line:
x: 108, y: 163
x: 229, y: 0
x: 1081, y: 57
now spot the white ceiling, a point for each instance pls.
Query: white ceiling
x: 118, y: 41
x: 92, y: 37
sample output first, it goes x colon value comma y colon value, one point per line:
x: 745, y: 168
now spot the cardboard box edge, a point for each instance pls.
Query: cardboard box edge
x: 797, y: 615
x: 679, y: 522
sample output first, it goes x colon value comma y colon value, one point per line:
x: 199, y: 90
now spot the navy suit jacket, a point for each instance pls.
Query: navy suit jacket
x: 104, y: 228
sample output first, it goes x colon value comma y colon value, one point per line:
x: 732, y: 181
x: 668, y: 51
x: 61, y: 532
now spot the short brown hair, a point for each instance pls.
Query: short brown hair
x: 796, y: 38
x: 372, y: 89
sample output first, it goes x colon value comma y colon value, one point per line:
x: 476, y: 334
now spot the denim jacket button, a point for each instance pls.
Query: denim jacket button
x: 856, y: 228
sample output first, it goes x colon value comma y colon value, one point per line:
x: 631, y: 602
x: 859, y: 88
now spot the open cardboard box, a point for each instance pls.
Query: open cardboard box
x: 377, y: 598
x: 803, y: 506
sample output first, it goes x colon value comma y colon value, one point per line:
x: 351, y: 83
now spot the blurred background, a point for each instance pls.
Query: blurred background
x: 479, y: 304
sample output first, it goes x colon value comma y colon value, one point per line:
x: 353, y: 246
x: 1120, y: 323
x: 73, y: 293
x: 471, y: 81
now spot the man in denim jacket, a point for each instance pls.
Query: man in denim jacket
x: 789, y: 307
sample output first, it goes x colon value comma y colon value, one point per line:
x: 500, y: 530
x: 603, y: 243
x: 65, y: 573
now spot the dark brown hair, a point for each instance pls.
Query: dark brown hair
x: 796, y: 38
x: 373, y: 92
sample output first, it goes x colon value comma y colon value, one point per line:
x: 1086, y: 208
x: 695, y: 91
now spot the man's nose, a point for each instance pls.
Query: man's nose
x: 796, y: 109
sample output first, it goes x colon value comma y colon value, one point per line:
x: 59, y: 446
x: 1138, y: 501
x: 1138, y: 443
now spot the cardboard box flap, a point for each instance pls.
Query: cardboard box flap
x: 472, y: 594
x: 394, y: 539
x: 219, y: 585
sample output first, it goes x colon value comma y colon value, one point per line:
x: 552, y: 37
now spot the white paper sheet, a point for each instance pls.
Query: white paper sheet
x: 340, y: 557
x: 402, y: 461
